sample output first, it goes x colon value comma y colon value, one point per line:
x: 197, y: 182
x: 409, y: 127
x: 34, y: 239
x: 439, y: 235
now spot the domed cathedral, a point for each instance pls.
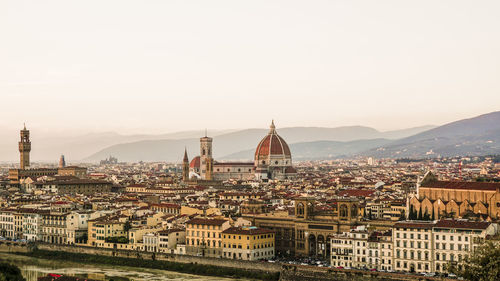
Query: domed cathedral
x: 273, y: 159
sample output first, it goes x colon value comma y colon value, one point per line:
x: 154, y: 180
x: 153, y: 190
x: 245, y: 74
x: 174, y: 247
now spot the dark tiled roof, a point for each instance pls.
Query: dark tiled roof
x: 247, y: 230
x: 206, y: 221
x: 356, y: 193
x: 462, y: 185
x: 462, y: 224
x: 414, y: 224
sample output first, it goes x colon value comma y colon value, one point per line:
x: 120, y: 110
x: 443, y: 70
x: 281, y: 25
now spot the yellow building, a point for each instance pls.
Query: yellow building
x: 102, y: 229
x: 204, y: 236
x: 248, y: 243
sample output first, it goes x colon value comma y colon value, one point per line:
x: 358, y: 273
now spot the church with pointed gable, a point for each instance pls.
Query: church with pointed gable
x: 272, y: 161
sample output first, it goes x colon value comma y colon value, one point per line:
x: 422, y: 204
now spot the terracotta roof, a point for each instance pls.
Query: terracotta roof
x: 206, y: 221
x: 247, y: 230
x: 195, y: 163
x: 233, y: 164
x: 168, y: 231
x: 462, y: 185
x: 414, y: 224
x: 462, y: 224
x: 272, y: 144
x: 166, y: 205
x: 356, y: 193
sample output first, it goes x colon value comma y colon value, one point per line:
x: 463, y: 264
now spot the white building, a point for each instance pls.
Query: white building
x: 360, y: 248
x: 168, y: 240
x: 455, y: 239
x: 77, y: 225
x: 31, y: 222
x: 413, y: 246
x: 7, y: 229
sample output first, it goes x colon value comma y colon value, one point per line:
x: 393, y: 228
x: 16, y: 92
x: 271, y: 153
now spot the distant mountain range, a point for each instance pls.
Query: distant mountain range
x: 239, y: 145
x: 47, y: 146
x: 475, y: 136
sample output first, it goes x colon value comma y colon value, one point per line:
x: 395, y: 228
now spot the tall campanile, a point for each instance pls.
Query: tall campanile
x: 25, y: 148
x: 185, y: 167
x: 206, y: 160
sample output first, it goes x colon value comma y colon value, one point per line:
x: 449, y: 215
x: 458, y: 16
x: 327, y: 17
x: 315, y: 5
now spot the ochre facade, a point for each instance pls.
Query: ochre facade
x: 456, y: 199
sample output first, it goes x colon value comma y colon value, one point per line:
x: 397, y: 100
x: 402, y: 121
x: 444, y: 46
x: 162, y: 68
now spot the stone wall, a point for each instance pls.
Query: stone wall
x: 302, y: 273
x: 247, y: 265
x: 13, y: 247
x: 287, y: 272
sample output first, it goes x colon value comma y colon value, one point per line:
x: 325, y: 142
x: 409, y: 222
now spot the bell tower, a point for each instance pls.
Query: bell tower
x: 206, y: 160
x: 25, y: 148
x: 185, y: 167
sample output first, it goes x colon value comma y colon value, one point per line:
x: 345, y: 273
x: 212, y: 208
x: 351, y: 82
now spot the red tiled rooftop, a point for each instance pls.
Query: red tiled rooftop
x: 462, y: 185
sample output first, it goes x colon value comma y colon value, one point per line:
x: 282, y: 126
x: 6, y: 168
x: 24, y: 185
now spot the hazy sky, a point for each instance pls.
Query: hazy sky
x: 160, y: 66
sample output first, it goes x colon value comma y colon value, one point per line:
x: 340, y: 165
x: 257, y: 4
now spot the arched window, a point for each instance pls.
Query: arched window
x: 300, y: 209
x: 203, y: 152
x: 343, y: 211
x: 354, y: 211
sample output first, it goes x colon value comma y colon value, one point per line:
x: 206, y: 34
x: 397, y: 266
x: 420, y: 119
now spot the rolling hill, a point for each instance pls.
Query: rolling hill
x: 245, y: 140
x: 474, y: 136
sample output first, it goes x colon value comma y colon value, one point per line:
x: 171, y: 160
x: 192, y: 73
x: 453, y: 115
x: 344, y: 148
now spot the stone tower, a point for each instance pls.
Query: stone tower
x: 185, y: 167
x: 25, y: 148
x: 62, y: 162
x: 206, y: 160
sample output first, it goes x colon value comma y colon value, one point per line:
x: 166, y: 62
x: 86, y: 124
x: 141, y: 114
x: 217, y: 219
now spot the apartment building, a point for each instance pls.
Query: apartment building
x: 31, y: 224
x: 455, y: 239
x: 204, y: 236
x: 362, y: 249
x: 413, y: 246
x: 169, y: 239
x: 7, y: 229
x: 77, y: 225
x: 248, y: 243
x: 54, y: 227
x: 102, y: 229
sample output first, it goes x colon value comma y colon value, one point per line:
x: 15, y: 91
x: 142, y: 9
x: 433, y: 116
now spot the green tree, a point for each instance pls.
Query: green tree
x: 411, y: 215
x: 402, y: 217
x: 127, y: 226
x: 420, y: 214
x: 482, y: 265
x: 9, y: 272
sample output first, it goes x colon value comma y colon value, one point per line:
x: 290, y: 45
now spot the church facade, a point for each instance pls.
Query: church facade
x: 273, y: 160
x: 458, y: 199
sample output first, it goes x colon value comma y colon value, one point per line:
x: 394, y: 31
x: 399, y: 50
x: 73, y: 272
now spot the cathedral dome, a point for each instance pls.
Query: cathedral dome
x: 272, y: 145
x: 195, y: 163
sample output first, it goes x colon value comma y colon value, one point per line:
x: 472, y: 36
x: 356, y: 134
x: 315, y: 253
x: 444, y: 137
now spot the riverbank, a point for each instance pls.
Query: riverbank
x: 32, y: 268
x: 191, y: 268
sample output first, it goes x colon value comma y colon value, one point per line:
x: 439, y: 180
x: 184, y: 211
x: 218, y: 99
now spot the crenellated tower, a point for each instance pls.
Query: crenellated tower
x: 25, y: 148
x: 62, y: 162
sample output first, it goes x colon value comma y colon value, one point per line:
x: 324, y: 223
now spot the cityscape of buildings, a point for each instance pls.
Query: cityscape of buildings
x: 393, y: 215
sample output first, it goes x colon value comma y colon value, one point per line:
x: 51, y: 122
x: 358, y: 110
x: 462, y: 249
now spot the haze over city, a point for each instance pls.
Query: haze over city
x: 165, y: 66
x: 277, y: 140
